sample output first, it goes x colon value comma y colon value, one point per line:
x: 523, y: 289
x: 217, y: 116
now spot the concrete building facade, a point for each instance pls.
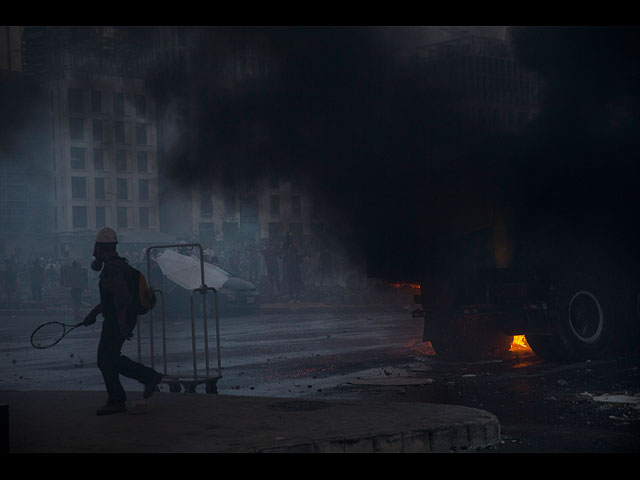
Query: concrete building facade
x: 493, y: 93
x: 103, y: 159
x: 267, y: 210
x: 25, y: 141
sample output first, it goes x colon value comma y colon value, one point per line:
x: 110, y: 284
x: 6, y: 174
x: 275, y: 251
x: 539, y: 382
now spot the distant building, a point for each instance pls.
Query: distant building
x: 103, y: 160
x: 490, y: 92
x: 269, y: 209
x: 229, y: 209
x: 25, y: 140
x: 11, y: 49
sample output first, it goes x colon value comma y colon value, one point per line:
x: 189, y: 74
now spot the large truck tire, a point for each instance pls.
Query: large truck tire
x: 583, y: 317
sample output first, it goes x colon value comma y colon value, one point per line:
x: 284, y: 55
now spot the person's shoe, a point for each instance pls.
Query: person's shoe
x: 150, y: 387
x: 111, y: 408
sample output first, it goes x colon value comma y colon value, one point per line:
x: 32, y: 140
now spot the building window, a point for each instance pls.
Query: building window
x: 78, y: 187
x: 141, y: 133
x: 75, y: 100
x: 77, y: 158
x: 274, y: 205
x: 143, y: 162
x: 122, y: 217
x: 96, y: 101
x: 206, y: 204
x: 97, y: 130
x: 296, y: 205
x: 141, y: 107
x: 118, y: 104
x: 79, y: 217
x: 99, y: 184
x: 119, y: 132
x: 144, y: 217
x: 143, y: 189
x: 100, y: 217
x: 122, y: 190
x: 98, y: 159
x: 121, y: 160
x: 76, y: 128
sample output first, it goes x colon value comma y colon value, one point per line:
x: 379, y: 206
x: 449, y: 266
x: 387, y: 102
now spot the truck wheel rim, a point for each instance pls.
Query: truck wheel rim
x: 585, y: 317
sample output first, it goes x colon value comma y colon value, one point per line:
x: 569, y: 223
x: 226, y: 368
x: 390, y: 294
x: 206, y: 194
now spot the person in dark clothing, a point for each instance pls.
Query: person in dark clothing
x: 77, y: 286
x: 37, y: 277
x: 270, y: 255
x: 120, y: 318
x: 253, y: 263
x: 324, y: 265
x: 11, y: 280
x: 292, y: 262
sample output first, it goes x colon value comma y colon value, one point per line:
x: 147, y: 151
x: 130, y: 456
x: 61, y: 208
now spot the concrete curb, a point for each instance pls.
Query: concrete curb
x: 55, y: 421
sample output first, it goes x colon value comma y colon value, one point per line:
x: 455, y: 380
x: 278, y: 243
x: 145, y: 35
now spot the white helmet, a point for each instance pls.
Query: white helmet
x: 106, y: 235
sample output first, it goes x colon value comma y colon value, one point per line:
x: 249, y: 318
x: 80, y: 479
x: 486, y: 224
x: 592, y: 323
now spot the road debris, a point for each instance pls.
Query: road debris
x: 619, y: 399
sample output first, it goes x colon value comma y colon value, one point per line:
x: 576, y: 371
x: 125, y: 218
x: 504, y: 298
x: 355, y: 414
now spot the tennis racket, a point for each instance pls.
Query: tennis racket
x: 49, y: 334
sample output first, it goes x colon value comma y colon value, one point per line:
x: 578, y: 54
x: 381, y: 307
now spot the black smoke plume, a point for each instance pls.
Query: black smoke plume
x: 366, y: 132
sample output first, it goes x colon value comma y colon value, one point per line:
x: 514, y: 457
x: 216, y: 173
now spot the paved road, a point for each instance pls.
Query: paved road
x: 268, y: 355
x: 374, y: 357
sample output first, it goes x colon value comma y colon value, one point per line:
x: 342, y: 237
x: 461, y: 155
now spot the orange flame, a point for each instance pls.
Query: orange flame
x: 519, y: 342
x: 405, y: 285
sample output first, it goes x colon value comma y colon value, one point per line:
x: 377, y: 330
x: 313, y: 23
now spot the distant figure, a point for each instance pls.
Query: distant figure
x: 292, y: 262
x: 253, y: 263
x: 66, y: 258
x: 270, y: 254
x: 233, y: 264
x: 10, y: 280
x: 77, y: 286
x: 37, y: 278
x: 324, y: 265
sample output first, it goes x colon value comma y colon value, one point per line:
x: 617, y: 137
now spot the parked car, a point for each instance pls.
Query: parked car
x: 235, y: 295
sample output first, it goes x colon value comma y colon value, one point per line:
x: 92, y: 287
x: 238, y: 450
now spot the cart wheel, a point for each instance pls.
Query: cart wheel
x: 190, y: 388
x: 175, y: 388
x: 211, y: 388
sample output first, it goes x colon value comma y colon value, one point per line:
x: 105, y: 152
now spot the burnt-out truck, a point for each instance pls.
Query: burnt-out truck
x: 535, y: 246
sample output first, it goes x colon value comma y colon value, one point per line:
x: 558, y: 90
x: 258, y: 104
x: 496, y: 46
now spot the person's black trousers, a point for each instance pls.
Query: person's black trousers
x: 112, y: 363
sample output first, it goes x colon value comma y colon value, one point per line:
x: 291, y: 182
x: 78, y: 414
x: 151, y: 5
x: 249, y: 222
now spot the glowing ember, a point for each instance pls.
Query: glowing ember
x: 519, y: 342
x: 421, y: 348
x: 405, y: 285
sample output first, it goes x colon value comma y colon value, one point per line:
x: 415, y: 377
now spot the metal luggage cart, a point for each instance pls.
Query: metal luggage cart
x: 189, y: 383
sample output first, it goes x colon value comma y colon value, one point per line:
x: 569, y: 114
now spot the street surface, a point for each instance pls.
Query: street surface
x: 370, y: 355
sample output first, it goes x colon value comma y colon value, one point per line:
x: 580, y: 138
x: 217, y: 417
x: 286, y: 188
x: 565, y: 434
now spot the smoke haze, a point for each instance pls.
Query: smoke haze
x: 345, y: 112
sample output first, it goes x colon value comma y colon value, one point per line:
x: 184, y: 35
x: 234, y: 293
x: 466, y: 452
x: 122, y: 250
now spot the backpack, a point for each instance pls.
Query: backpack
x: 144, y: 298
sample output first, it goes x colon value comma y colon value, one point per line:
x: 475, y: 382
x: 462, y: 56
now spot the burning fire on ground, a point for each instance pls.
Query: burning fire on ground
x: 519, y: 343
x: 405, y: 285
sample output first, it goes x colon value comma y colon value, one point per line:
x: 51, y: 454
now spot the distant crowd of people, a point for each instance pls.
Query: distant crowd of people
x: 281, y: 268
x: 30, y: 279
